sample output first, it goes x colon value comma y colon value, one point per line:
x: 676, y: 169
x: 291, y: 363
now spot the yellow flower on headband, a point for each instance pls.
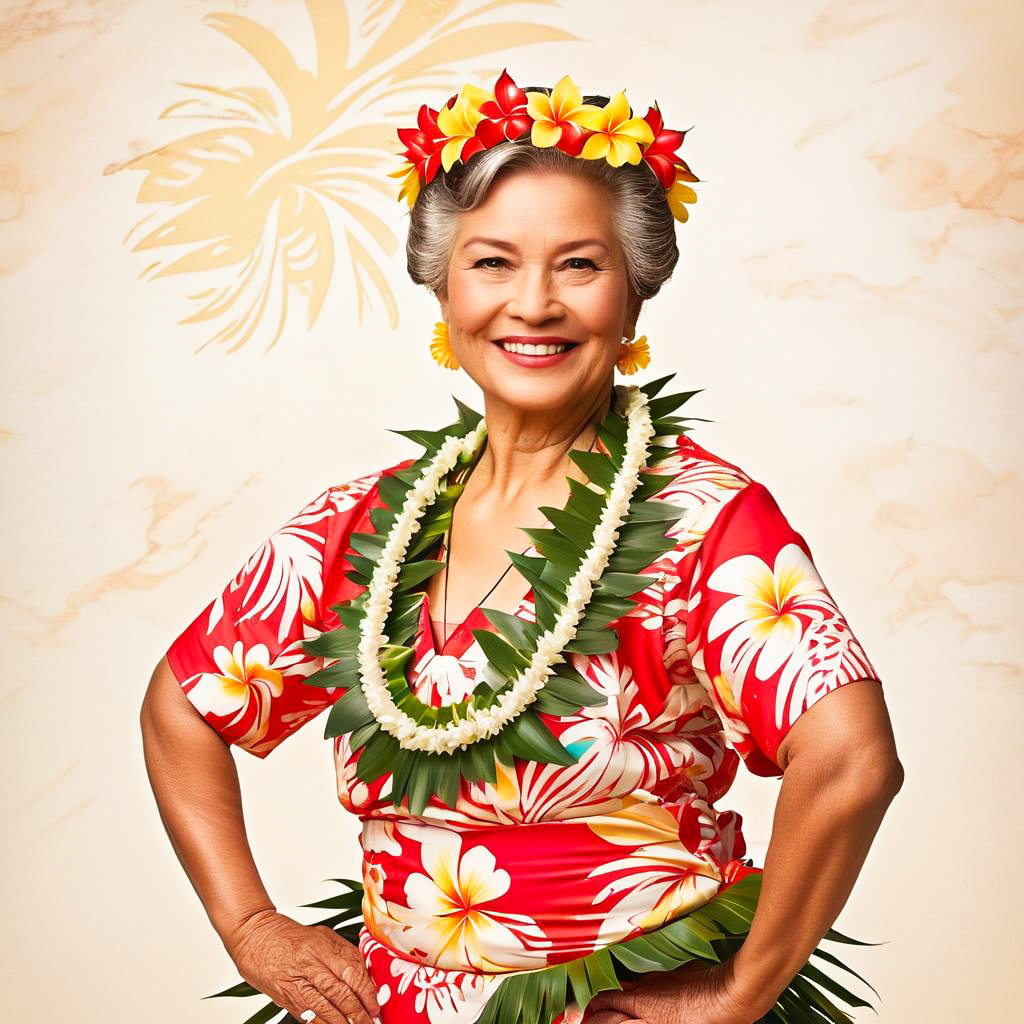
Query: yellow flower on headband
x: 411, y: 185
x: 681, y: 193
x: 617, y: 135
x: 476, y: 119
x: 556, y: 115
x: 459, y: 122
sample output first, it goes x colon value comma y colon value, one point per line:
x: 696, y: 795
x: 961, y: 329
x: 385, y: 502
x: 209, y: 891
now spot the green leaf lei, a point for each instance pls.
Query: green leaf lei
x: 642, y: 538
x: 703, y: 937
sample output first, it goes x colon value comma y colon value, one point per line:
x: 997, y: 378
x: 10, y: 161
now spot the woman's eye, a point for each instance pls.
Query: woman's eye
x: 488, y: 263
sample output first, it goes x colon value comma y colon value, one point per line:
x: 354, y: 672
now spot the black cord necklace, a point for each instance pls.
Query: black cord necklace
x: 447, y: 558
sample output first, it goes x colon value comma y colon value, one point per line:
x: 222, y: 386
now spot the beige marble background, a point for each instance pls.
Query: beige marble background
x: 849, y: 297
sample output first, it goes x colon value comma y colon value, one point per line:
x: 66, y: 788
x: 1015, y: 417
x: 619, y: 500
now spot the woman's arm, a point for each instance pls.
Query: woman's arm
x: 195, y: 783
x: 840, y: 773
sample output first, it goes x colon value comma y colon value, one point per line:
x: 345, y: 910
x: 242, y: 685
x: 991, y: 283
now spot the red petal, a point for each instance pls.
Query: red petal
x: 654, y: 119
x: 517, y: 124
x: 573, y: 138
x: 432, y: 165
x: 490, y: 133
x: 508, y: 94
x: 411, y: 137
x: 474, y: 145
x: 663, y: 167
x: 427, y: 120
x: 668, y: 142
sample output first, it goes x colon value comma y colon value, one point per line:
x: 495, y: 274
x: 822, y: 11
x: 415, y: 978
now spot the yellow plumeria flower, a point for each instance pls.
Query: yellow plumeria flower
x: 617, y: 134
x: 411, y: 183
x: 678, y: 194
x: 549, y: 113
x: 459, y: 121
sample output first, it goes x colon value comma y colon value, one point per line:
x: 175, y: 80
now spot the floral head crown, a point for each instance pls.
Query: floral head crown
x: 475, y: 119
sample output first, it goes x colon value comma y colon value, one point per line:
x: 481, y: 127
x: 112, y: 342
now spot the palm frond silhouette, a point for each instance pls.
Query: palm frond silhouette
x: 286, y: 177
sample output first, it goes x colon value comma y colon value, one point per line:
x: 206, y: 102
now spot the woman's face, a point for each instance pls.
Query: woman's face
x: 538, y: 262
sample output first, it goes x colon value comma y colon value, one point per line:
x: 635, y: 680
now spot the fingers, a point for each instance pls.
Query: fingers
x: 348, y: 966
x: 304, y: 967
x: 358, y: 980
x: 310, y: 999
x: 344, y: 997
x: 622, y: 1004
x: 609, y: 1017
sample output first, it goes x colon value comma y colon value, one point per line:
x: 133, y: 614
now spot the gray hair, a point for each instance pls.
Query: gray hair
x: 643, y: 222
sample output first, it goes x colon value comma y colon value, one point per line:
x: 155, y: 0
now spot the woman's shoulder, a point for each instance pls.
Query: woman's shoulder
x: 346, y: 494
x: 349, y: 498
x: 700, y: 475
x: 722, y: 504
x: 703, y: 481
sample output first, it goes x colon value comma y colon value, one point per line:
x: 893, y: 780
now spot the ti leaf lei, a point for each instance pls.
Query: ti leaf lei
x: 642, y: 538
x: 703, y: 937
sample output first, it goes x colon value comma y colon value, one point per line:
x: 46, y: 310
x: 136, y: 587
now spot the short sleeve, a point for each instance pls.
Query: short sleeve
x: 240, y: 661
x: 764, y: 635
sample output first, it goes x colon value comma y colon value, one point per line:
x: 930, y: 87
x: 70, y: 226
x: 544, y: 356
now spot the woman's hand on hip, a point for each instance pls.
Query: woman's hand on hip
x: 304, y: 967
x: 691, y: 994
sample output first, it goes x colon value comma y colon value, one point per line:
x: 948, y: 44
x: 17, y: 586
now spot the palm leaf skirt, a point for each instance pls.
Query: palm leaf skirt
x: 708, y: 935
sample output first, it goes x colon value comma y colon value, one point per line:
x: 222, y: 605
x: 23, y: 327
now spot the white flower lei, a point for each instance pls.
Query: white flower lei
x: 480, y: 723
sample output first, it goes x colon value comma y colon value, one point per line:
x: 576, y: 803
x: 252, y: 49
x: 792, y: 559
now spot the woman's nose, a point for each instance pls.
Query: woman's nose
x: 535, y: 298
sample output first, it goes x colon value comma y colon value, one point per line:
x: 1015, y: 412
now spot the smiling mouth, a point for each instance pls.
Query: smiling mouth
x: 531, y: 349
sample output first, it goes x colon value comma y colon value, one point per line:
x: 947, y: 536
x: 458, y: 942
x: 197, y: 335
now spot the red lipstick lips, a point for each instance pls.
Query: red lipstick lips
x: 536, y: 361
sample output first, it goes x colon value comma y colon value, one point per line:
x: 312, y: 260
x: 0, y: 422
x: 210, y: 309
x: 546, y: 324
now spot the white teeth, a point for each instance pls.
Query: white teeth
x: 532, y: 350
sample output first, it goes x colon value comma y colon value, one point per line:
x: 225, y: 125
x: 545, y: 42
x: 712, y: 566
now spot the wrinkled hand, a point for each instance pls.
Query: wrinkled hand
x: 304, y: 967
x: 691, y: 994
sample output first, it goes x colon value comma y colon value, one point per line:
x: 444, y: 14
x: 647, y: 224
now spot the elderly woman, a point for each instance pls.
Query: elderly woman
x: 538, y: 777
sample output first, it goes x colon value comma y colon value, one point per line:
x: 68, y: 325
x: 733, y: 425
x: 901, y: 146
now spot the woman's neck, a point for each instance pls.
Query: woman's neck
x: 526, y: 450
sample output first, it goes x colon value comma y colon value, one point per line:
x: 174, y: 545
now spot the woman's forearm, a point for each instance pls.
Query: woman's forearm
x: 827, y: 814
x: 195, y: 783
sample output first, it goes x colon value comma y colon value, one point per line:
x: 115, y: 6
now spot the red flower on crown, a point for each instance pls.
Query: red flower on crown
x: 475, y: 119
x: 423, y: 143
x: 661, y: 153
x: 505, y: 117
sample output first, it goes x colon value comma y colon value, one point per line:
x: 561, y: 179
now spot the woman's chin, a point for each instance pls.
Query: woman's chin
x: 561, y: 385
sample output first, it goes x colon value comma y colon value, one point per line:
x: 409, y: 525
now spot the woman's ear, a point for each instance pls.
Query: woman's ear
x: 632, y: 315
x: 443, y: 300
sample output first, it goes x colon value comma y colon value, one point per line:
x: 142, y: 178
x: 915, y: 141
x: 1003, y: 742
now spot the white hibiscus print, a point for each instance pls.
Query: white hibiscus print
x: 766, y: 618
x: 246, y: 683
x: 453, y: 917
x: 781, y: 618
x: 285, y: 575
x: 446, y: 997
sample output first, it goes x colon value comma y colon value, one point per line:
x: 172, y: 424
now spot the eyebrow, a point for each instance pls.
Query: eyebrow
x: 500, y: 244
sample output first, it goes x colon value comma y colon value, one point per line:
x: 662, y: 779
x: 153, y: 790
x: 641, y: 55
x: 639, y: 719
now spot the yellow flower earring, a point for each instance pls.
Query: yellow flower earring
x: 441, y: 347
x: 635, y: 354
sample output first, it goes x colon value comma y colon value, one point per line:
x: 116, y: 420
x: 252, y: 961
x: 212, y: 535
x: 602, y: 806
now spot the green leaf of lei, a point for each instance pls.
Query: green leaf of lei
x: 642, y: 539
